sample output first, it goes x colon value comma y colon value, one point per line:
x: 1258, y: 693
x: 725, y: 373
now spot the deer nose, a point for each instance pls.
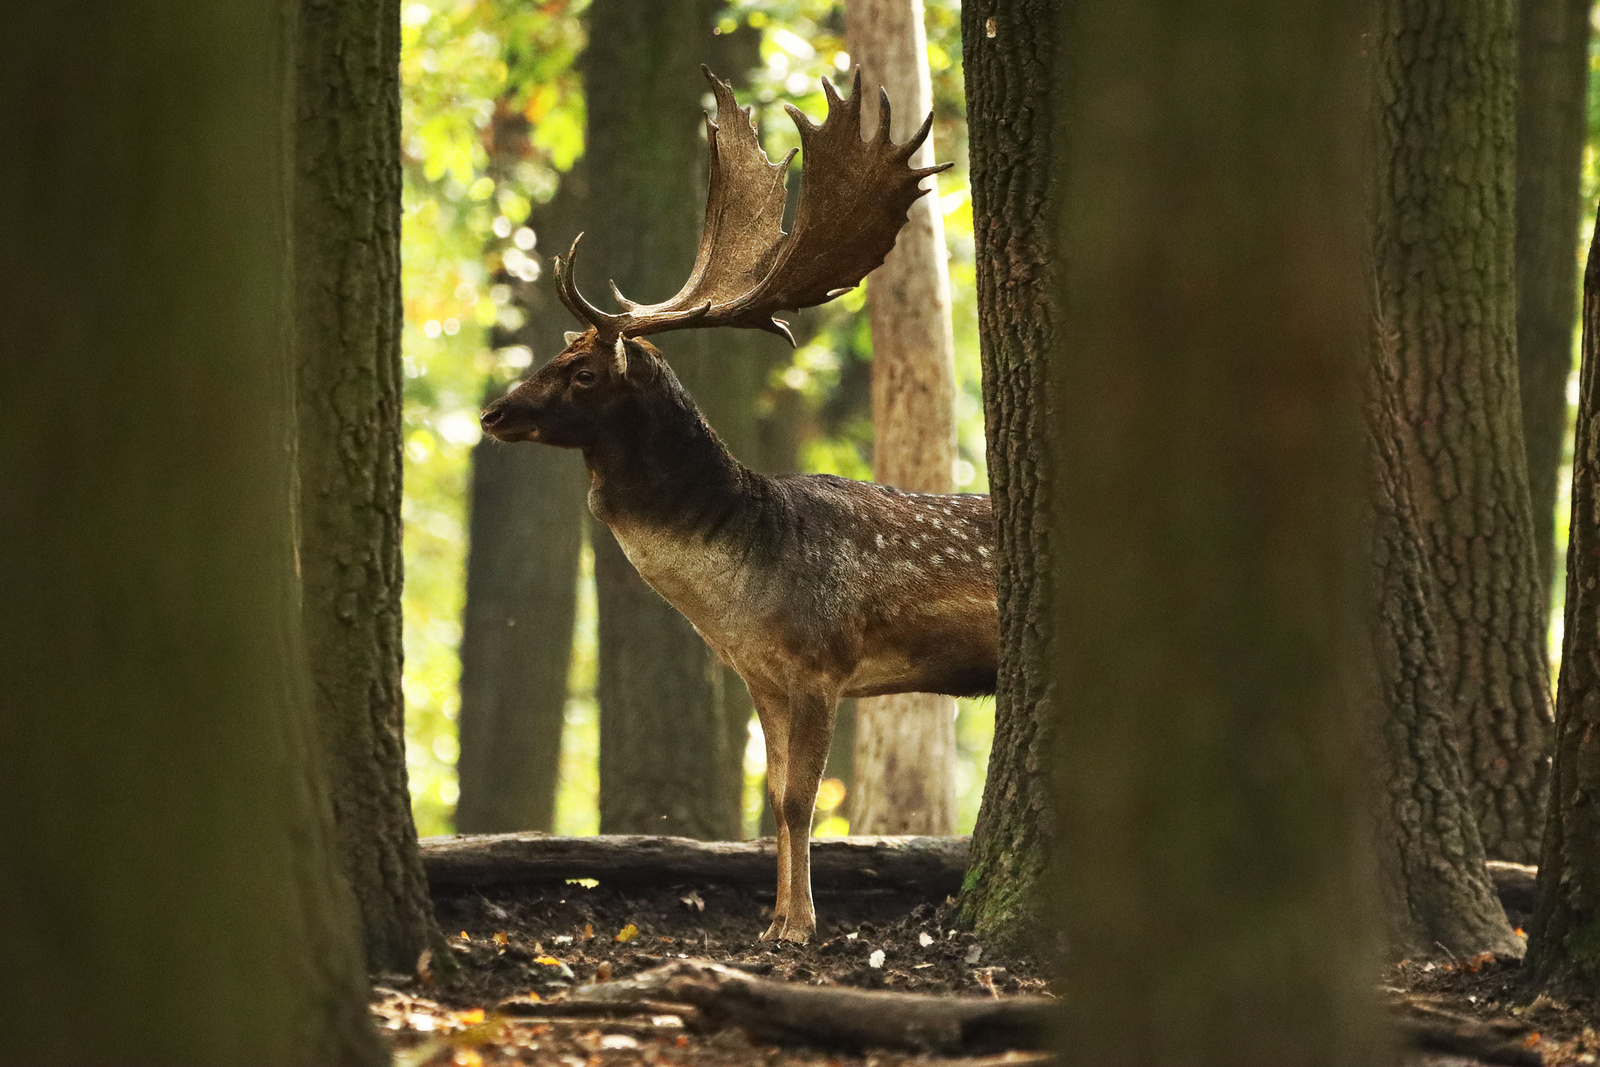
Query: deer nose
x: 492, y: 416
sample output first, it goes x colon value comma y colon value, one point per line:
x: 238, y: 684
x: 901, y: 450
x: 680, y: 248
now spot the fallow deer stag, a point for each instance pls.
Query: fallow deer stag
x: 811, y: 587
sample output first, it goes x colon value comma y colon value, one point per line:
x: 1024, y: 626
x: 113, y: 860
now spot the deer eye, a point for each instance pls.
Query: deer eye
x: 584, y: 377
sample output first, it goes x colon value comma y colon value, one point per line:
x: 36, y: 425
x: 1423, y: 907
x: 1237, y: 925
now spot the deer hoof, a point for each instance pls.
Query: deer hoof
x: 774, y: 932
x: 796, y: 935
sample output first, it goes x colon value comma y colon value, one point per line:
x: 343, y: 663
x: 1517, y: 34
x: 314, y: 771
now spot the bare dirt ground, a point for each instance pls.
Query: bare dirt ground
x: 520, y: 946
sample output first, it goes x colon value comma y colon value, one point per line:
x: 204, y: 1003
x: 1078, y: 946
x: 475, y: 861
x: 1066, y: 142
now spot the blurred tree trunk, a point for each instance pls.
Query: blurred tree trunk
x: 167, y: 804
x: 1209, y: 565
x: 1562, y: 945
x: 347, y: 274
x: 905, y: 745
x: 1009, y: 64
x: 1436, y: 893
x: 1446, y: 84
x: 1552, y: 94
x: 662, y: 716
x: 525, y: 533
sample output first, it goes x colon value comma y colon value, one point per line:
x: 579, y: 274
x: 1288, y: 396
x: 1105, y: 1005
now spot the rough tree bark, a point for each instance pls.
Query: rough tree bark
x: 1209, y: 565
x: 347, y: 277
x: 1552, y: 94
x: 166, y: 801
x: 1009, y: 64
x: 525, y: 533
x: 662, y: 715
x: 1446, y: 83
x: 1437, y: 895
x: 1564, y: 944
x: 905, y: 752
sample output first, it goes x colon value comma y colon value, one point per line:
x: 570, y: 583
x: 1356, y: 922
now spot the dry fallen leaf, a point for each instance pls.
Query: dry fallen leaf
x: 588, y: 930
x: 602, y: 973
x: 425, y: 966
x: 924, y: 939
x: 470, y: 1017
x: 627, y: 933
x: 500, y: 938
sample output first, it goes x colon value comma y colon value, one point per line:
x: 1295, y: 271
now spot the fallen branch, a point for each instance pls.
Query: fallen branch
x: 933, y: 866
x: 829, y: 1016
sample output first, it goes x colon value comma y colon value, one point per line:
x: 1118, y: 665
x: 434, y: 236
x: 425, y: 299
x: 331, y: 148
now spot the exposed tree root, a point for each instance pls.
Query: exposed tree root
x: 710, y: 995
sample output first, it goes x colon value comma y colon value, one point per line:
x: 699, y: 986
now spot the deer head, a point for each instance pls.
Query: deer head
x: 854, y: 195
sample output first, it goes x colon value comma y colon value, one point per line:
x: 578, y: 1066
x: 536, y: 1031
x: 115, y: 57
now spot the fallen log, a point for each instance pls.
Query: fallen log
x: 933, y: 866
x: 1514, y: 882
x: 827, y: 1016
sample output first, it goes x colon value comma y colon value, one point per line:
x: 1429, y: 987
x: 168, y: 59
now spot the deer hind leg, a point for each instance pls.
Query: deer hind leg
x: 772, y: 711
x: 810, y: 729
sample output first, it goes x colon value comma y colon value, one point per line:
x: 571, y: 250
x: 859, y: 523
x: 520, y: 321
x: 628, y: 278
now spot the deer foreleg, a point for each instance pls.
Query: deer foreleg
x: 773, y: 713
x: 810, y: 729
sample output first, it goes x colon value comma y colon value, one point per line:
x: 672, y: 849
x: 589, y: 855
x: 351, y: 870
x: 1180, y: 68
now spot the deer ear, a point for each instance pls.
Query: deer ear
x: 571, y: 336
x: 621, y: 354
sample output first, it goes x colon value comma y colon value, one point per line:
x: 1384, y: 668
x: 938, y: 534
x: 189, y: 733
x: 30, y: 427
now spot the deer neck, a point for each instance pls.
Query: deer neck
x: 661, y: 467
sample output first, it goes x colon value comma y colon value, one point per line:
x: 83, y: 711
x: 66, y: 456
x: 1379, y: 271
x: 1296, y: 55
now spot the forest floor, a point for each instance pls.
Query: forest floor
x: 522, y: 950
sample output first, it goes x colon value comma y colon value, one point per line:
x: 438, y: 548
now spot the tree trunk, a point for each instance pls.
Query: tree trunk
x: 525, y: 534
x: 167, y: 806
x: 347, y: 275
x: 1443, y: 247
x: 1437, y: 895
x: 662, y: 720
x: 1552, y: 93
x: 905, y: 752
x: 1009, y: 64
x: 1564, y: 944
x: 1209, y: 563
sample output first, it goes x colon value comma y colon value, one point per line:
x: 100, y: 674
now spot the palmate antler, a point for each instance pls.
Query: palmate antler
x: 854, y: 195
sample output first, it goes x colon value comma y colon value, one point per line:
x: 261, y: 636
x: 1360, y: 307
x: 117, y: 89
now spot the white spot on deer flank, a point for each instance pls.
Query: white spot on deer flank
x: 984, y: 552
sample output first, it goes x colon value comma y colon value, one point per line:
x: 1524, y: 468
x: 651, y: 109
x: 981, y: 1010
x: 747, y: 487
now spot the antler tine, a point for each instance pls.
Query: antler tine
x: 627, y: 305
x: 608, y: 326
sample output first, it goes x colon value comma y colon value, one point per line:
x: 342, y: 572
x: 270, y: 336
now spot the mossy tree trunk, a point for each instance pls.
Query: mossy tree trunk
x: 347, y: 274
x: 1564, y: 944
x: 1011, y: 75
x: 905, y: 744
x: 1552, y: 94
x: 663, y: 718
x: 1444, y: 160
x: 1436, y: 893
x: 167, y: 807
x: 1208, y: 563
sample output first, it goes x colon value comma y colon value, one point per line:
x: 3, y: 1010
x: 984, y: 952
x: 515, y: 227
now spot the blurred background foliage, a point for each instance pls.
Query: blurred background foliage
x: 464, y: 65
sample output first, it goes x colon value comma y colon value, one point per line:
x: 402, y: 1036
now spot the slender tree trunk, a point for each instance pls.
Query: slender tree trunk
x: 1552, y: 92
x: 347, y: 274
x: 1565, y: 941
x: 1209, y: 571
x: 905, y: 753
x: 662, y: 719
x: 1446, y: 83
x: 525, y: 534
x: 167, y: 806
x: 1009, y: 64
x: 1436, y: 893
